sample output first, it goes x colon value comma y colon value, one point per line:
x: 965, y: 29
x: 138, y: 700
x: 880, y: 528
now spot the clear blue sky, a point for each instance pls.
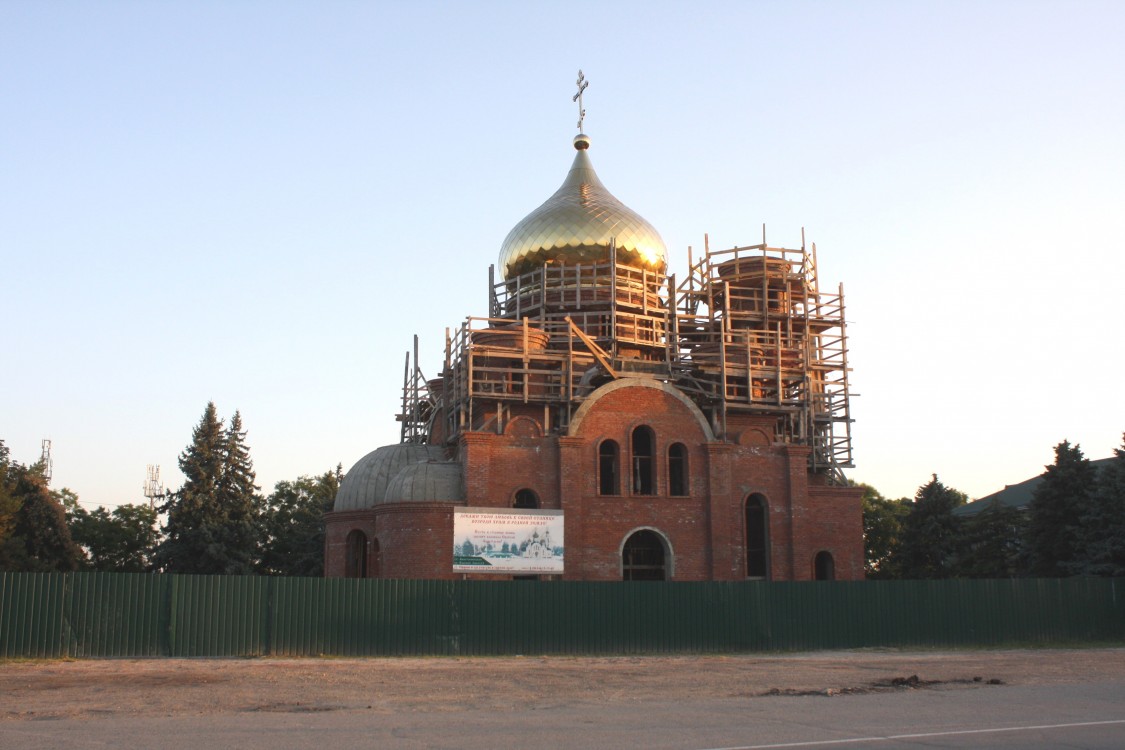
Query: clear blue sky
x: 259, y: 203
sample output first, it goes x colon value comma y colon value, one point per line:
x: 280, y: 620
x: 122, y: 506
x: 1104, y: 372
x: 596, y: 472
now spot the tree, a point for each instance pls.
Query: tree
x: 931, y: 532
x: 121, y: 541
x: 239, y: 501
x: 39, y: 539
x: 293, y: 521
x: 1101, y: 549
x: 882, y: 532
x: 212, y: 519
x: 992, y: 543
x: 1055, y: 512
x: 9, y: 504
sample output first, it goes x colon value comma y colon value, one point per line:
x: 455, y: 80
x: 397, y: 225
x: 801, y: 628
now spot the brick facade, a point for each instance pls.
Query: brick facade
x: 704, y: 531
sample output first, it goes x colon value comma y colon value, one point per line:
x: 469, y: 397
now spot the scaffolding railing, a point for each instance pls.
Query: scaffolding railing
x: 747, y: 331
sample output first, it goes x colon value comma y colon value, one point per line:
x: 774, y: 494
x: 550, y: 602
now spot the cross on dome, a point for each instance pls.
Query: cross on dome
x: 582, y: 84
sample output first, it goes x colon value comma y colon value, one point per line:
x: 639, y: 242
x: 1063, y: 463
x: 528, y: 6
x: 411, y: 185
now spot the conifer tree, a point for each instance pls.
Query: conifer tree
x: 1056, y: 510
x: 930, y: 534
x: 211, y: 527
x: 992, y: 543
x: 1102, y: 533
x: 238, y: 499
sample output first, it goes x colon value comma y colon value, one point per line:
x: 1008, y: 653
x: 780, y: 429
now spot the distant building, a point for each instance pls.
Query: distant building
x: 687, y: 429
x: 1016, y: 496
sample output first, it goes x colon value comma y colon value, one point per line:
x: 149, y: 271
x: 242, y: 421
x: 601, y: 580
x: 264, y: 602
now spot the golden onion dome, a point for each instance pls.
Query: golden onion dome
x: 577, y: 225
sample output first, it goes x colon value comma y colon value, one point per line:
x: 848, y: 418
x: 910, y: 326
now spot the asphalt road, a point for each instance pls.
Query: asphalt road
x: 1090, y: 715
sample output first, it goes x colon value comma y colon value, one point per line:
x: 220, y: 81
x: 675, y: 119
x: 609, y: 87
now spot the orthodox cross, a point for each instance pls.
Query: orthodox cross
x: 582, y: 84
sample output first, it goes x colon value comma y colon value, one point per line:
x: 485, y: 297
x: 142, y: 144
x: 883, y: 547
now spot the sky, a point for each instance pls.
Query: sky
x: 260, y: 203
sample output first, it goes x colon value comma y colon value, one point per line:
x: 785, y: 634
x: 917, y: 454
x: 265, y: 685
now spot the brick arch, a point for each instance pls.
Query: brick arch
x: 523, y: 426
x: 609, y: 388
x: 669, y: 552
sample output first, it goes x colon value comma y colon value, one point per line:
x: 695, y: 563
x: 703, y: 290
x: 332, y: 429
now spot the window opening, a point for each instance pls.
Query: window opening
x: 757, y: 538
x: 644, y: 481
x: 608, y: 468
x: 355, y: 555
x: 677, y: 469
x: 376, y: 559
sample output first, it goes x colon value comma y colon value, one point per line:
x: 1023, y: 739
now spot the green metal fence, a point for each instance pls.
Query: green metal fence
x: 116, y: 615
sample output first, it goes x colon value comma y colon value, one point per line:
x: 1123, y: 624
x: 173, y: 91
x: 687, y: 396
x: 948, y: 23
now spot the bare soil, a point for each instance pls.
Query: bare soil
x: 31, y: 690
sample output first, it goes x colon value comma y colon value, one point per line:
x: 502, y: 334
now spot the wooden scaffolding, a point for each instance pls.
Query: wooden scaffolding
x: 747, y: 332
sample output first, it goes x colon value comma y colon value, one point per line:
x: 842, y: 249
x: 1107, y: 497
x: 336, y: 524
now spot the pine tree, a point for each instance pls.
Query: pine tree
x: 992, y: 543
x: 239, y: 501
x: 212, y: 519
x: 1055, y: 513
x: 931, y: 532
x: 1102, y: 533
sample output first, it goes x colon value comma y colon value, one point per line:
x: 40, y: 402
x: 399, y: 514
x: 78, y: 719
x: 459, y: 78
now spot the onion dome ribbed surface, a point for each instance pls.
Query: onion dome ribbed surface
x: 365, y: 484
x: 577, y: 224
x: 427, y: 482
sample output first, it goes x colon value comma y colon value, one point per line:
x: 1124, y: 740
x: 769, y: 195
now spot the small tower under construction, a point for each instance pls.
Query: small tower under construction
x: 674, y: 429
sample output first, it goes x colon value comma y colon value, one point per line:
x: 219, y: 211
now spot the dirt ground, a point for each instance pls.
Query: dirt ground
x: 32, y: 690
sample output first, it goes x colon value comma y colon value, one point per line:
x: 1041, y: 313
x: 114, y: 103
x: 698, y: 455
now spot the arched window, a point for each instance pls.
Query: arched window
x: 355, y: 555
x: 376, y: 559
x: 757, y: 537
x: 643, y: 557
x: 824, y: 567
x: 608, y: 462
x: 677, y: 470
x: 644, y: 477
x: 526, y: 499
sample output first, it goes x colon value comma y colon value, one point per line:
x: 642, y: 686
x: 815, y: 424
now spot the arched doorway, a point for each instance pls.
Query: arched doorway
x: 355, y: 555
x: 526, y: 498
x: 643, y: 557
x: 824, y: 567
x: 757, y: 537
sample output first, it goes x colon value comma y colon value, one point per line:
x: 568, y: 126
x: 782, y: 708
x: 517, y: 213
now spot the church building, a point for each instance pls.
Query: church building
x: 610, y: 421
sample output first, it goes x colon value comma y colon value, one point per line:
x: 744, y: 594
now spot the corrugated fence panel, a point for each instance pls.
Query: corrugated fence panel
x: 117, y: 614
x: 218, y: 616
x: 31, y: 615
x: 48, y: 615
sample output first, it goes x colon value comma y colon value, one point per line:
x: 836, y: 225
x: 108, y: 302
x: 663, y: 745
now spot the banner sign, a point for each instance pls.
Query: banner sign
x: 507, y: 540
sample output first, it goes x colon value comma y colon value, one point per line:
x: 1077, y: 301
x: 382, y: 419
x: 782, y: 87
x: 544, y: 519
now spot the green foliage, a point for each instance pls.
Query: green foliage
x: 992, y: 543
x: 9, y: 504
x: 882, y: 532
x: 931, y: 533
x: 1055, y: 515
x: 1102, y: 524
x: 39, y: 539
x: 213, y: 520
x: 293, y: 521
x: 122, y: 541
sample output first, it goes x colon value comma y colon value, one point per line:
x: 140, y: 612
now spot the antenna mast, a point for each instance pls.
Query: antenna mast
x: 45, y: 460
x: 154, y: 488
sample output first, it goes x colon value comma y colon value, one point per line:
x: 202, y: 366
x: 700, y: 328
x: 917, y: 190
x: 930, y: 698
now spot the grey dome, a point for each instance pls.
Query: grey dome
x: 432, y: 481
x: 366, y: 483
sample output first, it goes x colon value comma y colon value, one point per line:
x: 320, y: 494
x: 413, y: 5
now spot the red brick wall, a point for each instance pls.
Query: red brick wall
x: 705, y: 531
